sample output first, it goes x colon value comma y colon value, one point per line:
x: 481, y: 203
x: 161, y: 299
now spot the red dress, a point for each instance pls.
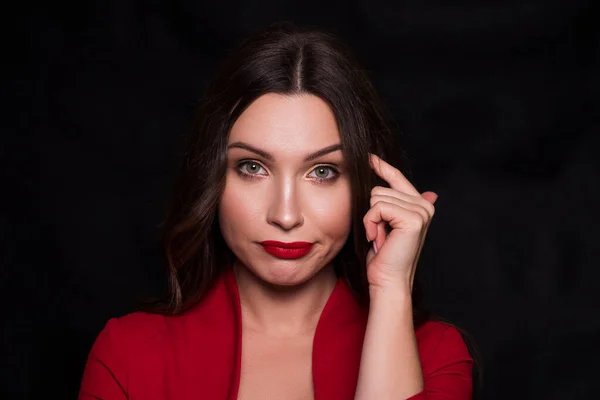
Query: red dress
x: 197, y: 355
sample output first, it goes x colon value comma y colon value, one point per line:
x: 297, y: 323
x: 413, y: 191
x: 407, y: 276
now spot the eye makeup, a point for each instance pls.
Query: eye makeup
x: 242, y: 169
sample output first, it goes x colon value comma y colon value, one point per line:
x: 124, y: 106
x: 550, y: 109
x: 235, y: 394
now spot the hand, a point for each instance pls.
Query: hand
x: 392, y: 261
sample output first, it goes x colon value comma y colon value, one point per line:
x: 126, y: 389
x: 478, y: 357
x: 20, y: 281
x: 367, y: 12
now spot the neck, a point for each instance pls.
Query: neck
x: 283, y: 311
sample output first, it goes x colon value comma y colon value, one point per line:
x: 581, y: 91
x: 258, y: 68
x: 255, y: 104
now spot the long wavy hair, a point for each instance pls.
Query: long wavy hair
x: 287, y: 60
x: 284, y: 59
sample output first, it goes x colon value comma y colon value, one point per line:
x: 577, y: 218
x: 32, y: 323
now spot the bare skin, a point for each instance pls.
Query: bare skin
x: 286, y: 197
x: 287, y: 200
x: 277, y: 358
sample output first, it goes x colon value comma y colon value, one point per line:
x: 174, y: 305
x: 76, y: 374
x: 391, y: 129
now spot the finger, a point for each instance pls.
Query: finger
x: 381, y: 236
x: 370, y: 229
x: 422, y: 208
x: 420, y: 200
x: 430, y: 196
x: 396, y: 216
x: 370, y: 255
x: 392, y: 175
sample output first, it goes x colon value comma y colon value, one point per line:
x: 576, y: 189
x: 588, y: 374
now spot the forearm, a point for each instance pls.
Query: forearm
x: 390, y: 366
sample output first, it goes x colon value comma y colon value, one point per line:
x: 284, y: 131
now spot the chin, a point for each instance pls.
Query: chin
x: 285, y: 273
x: 282, y: 273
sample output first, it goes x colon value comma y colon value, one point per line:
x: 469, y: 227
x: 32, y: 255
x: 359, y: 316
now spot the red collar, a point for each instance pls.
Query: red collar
x: 337, y: 344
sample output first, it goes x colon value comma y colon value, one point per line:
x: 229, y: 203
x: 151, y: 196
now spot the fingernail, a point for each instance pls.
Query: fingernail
x: 374, y: 247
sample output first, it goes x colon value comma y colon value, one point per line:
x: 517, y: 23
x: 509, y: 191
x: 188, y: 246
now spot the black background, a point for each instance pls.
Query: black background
x: 497, y: 104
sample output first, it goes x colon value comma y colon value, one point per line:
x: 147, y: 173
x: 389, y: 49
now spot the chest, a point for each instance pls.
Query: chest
x: 276, y: 368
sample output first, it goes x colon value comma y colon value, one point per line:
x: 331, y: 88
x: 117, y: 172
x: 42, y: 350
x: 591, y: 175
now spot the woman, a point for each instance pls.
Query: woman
x: 292, y: 247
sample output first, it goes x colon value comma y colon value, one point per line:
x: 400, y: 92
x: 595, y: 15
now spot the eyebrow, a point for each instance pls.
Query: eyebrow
x: 264, y: 154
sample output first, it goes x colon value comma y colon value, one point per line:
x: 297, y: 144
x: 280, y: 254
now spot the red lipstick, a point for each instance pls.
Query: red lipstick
x: 289, y: 250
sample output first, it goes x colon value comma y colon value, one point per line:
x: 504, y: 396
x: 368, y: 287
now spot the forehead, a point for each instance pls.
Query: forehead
x: 297, y: 123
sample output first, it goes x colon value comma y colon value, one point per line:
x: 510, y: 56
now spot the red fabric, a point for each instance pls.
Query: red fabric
x: 197, y: 355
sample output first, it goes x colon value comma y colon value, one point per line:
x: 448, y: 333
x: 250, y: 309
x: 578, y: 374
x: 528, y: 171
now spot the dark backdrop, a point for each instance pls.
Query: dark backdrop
x: 496, y: 104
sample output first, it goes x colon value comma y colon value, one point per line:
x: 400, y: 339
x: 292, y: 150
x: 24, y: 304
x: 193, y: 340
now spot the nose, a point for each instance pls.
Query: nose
x: 284, y: 210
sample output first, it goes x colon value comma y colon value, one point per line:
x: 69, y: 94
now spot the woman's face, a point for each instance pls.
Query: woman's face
x: 279, y: 188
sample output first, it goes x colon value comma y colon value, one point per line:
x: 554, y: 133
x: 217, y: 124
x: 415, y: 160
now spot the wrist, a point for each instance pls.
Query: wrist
x: 398, y: 290
x: 392, y: 309
x: 397, y: 297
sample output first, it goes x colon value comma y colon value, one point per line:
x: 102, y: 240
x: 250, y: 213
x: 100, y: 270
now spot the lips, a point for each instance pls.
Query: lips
x: 289, y: 250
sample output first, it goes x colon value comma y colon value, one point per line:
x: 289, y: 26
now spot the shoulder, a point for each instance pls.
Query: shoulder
x: 446, y: 363
x: 445, y: 360
x: 441, y: 344
x: 433, y: 331
x: 142, y: 332
x: 141, y: 325
x: 131, y: 332
x: 116, y: 351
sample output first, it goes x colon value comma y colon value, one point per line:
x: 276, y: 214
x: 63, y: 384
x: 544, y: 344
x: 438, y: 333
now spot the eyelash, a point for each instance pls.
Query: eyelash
x: 246, y: 175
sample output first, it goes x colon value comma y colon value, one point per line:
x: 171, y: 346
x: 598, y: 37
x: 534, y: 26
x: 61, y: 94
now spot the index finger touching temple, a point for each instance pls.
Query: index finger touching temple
x: 392, y: 176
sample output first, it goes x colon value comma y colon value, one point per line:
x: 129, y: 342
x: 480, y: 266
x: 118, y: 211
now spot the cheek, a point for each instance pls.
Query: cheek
x: 332, y: 211
x: 243, y: 208
x: 239, y: 211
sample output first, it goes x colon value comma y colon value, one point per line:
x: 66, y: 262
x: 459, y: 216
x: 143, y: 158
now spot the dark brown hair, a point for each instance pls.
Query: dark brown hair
x: 288, y: 60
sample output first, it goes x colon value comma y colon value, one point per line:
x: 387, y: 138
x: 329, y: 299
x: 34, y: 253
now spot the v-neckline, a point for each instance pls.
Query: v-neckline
x: 349, y: 315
